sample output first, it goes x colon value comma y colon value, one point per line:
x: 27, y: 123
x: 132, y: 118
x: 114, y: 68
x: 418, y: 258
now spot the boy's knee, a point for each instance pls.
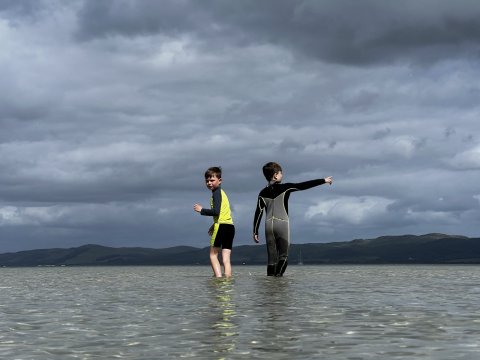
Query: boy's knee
x: 283, y: 257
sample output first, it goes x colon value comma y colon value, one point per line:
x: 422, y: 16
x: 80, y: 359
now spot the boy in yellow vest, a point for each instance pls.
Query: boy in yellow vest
x: 222, y: 231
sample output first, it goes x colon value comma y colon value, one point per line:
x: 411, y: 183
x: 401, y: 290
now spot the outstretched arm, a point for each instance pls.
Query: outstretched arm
x: 310, y: 184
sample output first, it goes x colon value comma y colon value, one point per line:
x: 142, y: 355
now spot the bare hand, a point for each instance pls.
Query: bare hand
x: 329, y: 180
x: 197, y: 207
x: 256, y: 238
x: 210, y: 231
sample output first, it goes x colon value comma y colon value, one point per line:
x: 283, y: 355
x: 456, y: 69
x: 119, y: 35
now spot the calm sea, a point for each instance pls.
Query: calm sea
x: 314, y: 312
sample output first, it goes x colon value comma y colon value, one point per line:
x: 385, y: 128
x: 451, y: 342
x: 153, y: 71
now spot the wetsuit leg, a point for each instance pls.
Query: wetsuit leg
x: 282, y: 235
x: 281, y: 267
x: 271, y: 247
x: 271, y: 270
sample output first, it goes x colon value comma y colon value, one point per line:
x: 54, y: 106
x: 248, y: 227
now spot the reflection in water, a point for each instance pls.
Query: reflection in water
x: 224, y: 329
x: 274, y: 296
x: 316, y: 312
x: 275, y: 322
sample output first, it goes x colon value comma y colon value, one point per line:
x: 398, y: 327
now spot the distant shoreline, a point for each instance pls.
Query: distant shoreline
x: 428, y: 249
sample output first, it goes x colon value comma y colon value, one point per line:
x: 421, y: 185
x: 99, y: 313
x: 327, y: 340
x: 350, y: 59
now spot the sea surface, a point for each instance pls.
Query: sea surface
x: 314, y: 312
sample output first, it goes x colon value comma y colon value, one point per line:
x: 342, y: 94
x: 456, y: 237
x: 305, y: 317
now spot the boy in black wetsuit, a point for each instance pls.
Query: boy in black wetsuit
x: 274, y: 198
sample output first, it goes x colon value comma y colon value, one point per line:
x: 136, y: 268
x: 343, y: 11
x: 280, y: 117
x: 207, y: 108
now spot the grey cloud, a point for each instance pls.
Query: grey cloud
x: 345, y: 32
x: 379, y: 134
x: 112, y: 110
x: 21, y: 8
x: 131, y: 18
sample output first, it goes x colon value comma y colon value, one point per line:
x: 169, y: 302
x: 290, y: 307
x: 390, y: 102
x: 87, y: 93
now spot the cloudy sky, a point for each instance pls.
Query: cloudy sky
x: 111, y: 110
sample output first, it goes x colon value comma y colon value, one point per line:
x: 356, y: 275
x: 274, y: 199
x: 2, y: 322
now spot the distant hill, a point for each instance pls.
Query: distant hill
x: 406, y: 249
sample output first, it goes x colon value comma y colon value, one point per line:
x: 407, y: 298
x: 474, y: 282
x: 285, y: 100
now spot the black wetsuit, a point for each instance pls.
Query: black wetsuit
x: 274, y: 198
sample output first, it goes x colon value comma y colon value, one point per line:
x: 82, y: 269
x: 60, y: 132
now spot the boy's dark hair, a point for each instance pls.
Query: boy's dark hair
x: 270, y: 169
x: 214, y: 171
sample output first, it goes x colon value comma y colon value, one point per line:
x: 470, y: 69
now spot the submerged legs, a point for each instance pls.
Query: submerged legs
x: 216, y: 267
x: 217, y: 270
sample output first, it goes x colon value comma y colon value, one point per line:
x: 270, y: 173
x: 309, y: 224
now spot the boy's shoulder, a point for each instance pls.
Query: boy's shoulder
x: 221, y: 191
x: 275, y: 188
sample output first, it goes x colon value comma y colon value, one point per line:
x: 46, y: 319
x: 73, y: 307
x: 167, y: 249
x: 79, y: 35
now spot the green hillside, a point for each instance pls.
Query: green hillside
x: 406, y: 249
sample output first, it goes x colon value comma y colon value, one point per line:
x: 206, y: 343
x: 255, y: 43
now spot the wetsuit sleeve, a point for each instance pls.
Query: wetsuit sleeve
x: 306, y: 184
x: 217, y: 204
x: 258, y: 215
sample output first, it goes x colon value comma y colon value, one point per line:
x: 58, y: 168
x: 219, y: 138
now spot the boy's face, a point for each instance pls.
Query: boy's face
x: 277, y: 177
x: 213, y: 182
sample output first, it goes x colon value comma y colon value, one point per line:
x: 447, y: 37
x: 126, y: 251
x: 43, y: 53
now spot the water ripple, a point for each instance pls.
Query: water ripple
x: 331, y: 312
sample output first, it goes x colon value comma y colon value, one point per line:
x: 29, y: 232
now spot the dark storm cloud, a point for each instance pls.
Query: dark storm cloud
x: 127, y: 18
x: 344, y: 31
x: 112, y: 110
x: 20, y: 8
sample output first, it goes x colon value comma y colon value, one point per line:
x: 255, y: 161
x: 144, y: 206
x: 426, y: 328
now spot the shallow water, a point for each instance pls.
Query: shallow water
x: 314, y: 312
